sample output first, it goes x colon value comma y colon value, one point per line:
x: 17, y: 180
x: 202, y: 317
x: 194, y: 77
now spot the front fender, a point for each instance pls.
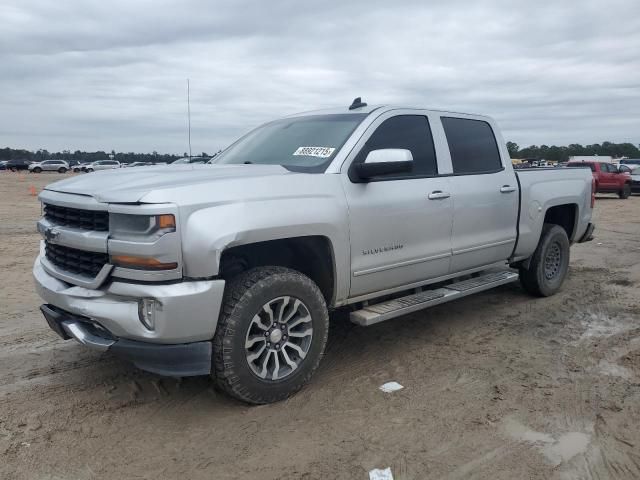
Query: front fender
x: 209, y: 231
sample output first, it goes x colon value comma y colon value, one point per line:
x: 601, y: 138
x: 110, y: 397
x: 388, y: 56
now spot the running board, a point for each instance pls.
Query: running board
x: 380, y: 312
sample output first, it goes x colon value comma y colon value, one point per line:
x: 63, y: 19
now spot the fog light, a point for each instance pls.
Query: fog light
x: 147, y: 312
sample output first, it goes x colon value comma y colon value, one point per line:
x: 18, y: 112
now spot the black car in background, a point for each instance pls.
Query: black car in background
x: 17, y: 165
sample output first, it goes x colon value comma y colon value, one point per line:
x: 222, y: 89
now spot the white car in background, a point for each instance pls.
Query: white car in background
x: 59, y: 166
x: 635, y: 178
x: 102, y: 165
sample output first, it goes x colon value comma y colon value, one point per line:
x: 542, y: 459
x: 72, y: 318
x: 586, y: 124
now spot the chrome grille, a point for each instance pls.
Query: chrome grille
x: 75, y: 261
x: 72, y: 217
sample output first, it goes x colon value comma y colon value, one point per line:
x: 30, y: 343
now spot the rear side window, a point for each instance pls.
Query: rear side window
x: 472, y: 145
x: 409, y: 132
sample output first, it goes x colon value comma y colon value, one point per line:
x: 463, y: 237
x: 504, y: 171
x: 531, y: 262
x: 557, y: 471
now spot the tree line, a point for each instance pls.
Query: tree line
x: 128, y: 157
x: 562, y: 154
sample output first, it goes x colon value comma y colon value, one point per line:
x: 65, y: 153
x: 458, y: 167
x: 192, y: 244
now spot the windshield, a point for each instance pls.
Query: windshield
x: 306, y: 144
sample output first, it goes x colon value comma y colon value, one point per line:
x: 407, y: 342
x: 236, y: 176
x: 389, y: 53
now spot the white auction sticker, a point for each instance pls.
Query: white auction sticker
x: 322, y: 152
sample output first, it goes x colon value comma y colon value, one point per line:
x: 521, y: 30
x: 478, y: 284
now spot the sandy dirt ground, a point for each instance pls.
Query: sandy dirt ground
x: 497, y: 386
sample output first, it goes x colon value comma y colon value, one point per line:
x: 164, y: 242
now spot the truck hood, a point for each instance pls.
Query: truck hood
x: 131, y: 185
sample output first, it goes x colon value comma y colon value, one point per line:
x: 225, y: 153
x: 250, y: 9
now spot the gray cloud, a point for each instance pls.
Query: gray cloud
x: 102, y: 75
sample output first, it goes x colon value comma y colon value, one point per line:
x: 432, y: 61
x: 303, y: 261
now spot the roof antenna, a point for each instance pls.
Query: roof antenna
x: 189, y: 116
x: 357, y: 103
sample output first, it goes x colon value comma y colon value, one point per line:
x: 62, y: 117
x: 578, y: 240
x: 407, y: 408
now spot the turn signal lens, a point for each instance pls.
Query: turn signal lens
x: 141, y: 263
x: 166, y: 221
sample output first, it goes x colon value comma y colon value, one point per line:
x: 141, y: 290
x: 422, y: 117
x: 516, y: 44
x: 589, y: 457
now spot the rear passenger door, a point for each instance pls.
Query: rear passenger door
x: 484, y: 193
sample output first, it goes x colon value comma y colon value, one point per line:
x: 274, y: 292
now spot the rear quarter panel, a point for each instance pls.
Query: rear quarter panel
x: 541, y: 189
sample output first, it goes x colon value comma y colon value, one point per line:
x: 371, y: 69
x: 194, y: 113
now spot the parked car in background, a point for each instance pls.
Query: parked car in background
x: 102, y: 165
x: 630, y: 161
x: 80, y: 166
x: 608, y: 178
x: 59, y: 166
x: 3, y: 164
x: 635, y: 179
x: 17, y: 165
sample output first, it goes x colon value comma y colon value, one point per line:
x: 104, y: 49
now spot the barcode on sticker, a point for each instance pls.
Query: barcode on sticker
x: 322, y: 152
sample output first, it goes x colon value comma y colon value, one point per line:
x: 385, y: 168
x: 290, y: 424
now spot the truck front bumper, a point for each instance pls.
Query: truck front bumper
x: 108, y: 319
x: 182, y: 360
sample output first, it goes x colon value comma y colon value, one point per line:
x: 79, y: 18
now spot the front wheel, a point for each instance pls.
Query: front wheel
x: 271, y: 334
x: 37, y: 170
x: 62, y: 170
x: 625, y: 192
x: 89, y: 170
x: 549, y: 263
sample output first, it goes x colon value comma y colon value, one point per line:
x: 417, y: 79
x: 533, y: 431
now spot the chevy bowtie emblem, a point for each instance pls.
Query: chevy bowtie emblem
x: 51, y: 234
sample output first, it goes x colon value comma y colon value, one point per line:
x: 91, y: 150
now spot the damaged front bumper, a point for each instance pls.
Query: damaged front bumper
x: 108, y: 319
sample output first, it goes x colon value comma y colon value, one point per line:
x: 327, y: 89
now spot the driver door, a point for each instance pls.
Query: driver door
x: 400, y: 224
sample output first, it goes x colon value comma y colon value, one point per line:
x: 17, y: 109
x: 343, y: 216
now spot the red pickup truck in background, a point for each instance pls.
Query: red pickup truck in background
x: 607, y: 177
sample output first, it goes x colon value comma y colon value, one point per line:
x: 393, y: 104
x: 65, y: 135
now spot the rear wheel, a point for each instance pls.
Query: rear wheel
x: 625, y: 192
x: 549, y: 263
x: 270, y: 336
x: 89, y: 170
x: 62, y: 170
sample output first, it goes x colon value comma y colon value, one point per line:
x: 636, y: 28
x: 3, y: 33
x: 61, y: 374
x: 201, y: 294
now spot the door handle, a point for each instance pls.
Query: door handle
x: 439, y: 195
x: 507, y: 189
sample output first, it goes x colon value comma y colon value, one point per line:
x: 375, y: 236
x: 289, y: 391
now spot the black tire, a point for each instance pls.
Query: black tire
x: 244, y: 298
x: 549, y: 263
x: 625, y: 192
x: 37, y: 170
x: 62, y: 170
x: 76, y: 170
x: 89, y: 170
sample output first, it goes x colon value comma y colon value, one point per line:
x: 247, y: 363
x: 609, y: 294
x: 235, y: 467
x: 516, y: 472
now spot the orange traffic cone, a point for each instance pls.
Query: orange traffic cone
x: 32, y: 191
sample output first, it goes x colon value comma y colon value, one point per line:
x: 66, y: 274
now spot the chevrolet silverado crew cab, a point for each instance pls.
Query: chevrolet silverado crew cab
x: 230, y: 269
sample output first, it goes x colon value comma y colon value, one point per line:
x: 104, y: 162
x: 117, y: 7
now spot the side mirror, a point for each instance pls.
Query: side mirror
x: 386, y: 161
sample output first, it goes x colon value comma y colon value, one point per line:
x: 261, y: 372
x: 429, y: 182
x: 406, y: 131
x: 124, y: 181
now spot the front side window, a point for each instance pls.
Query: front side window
x: 408, y: 132
x: 306, y: 144
x: 472, y: 145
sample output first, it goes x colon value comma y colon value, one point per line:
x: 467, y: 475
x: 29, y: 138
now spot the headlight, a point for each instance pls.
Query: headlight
x: 134, y: 231
x: 136, y: 227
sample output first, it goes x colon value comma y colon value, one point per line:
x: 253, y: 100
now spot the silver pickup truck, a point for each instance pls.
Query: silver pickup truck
x: 230, y: 269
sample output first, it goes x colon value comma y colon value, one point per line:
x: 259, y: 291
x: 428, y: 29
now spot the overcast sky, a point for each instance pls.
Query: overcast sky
x: 102, y: 75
